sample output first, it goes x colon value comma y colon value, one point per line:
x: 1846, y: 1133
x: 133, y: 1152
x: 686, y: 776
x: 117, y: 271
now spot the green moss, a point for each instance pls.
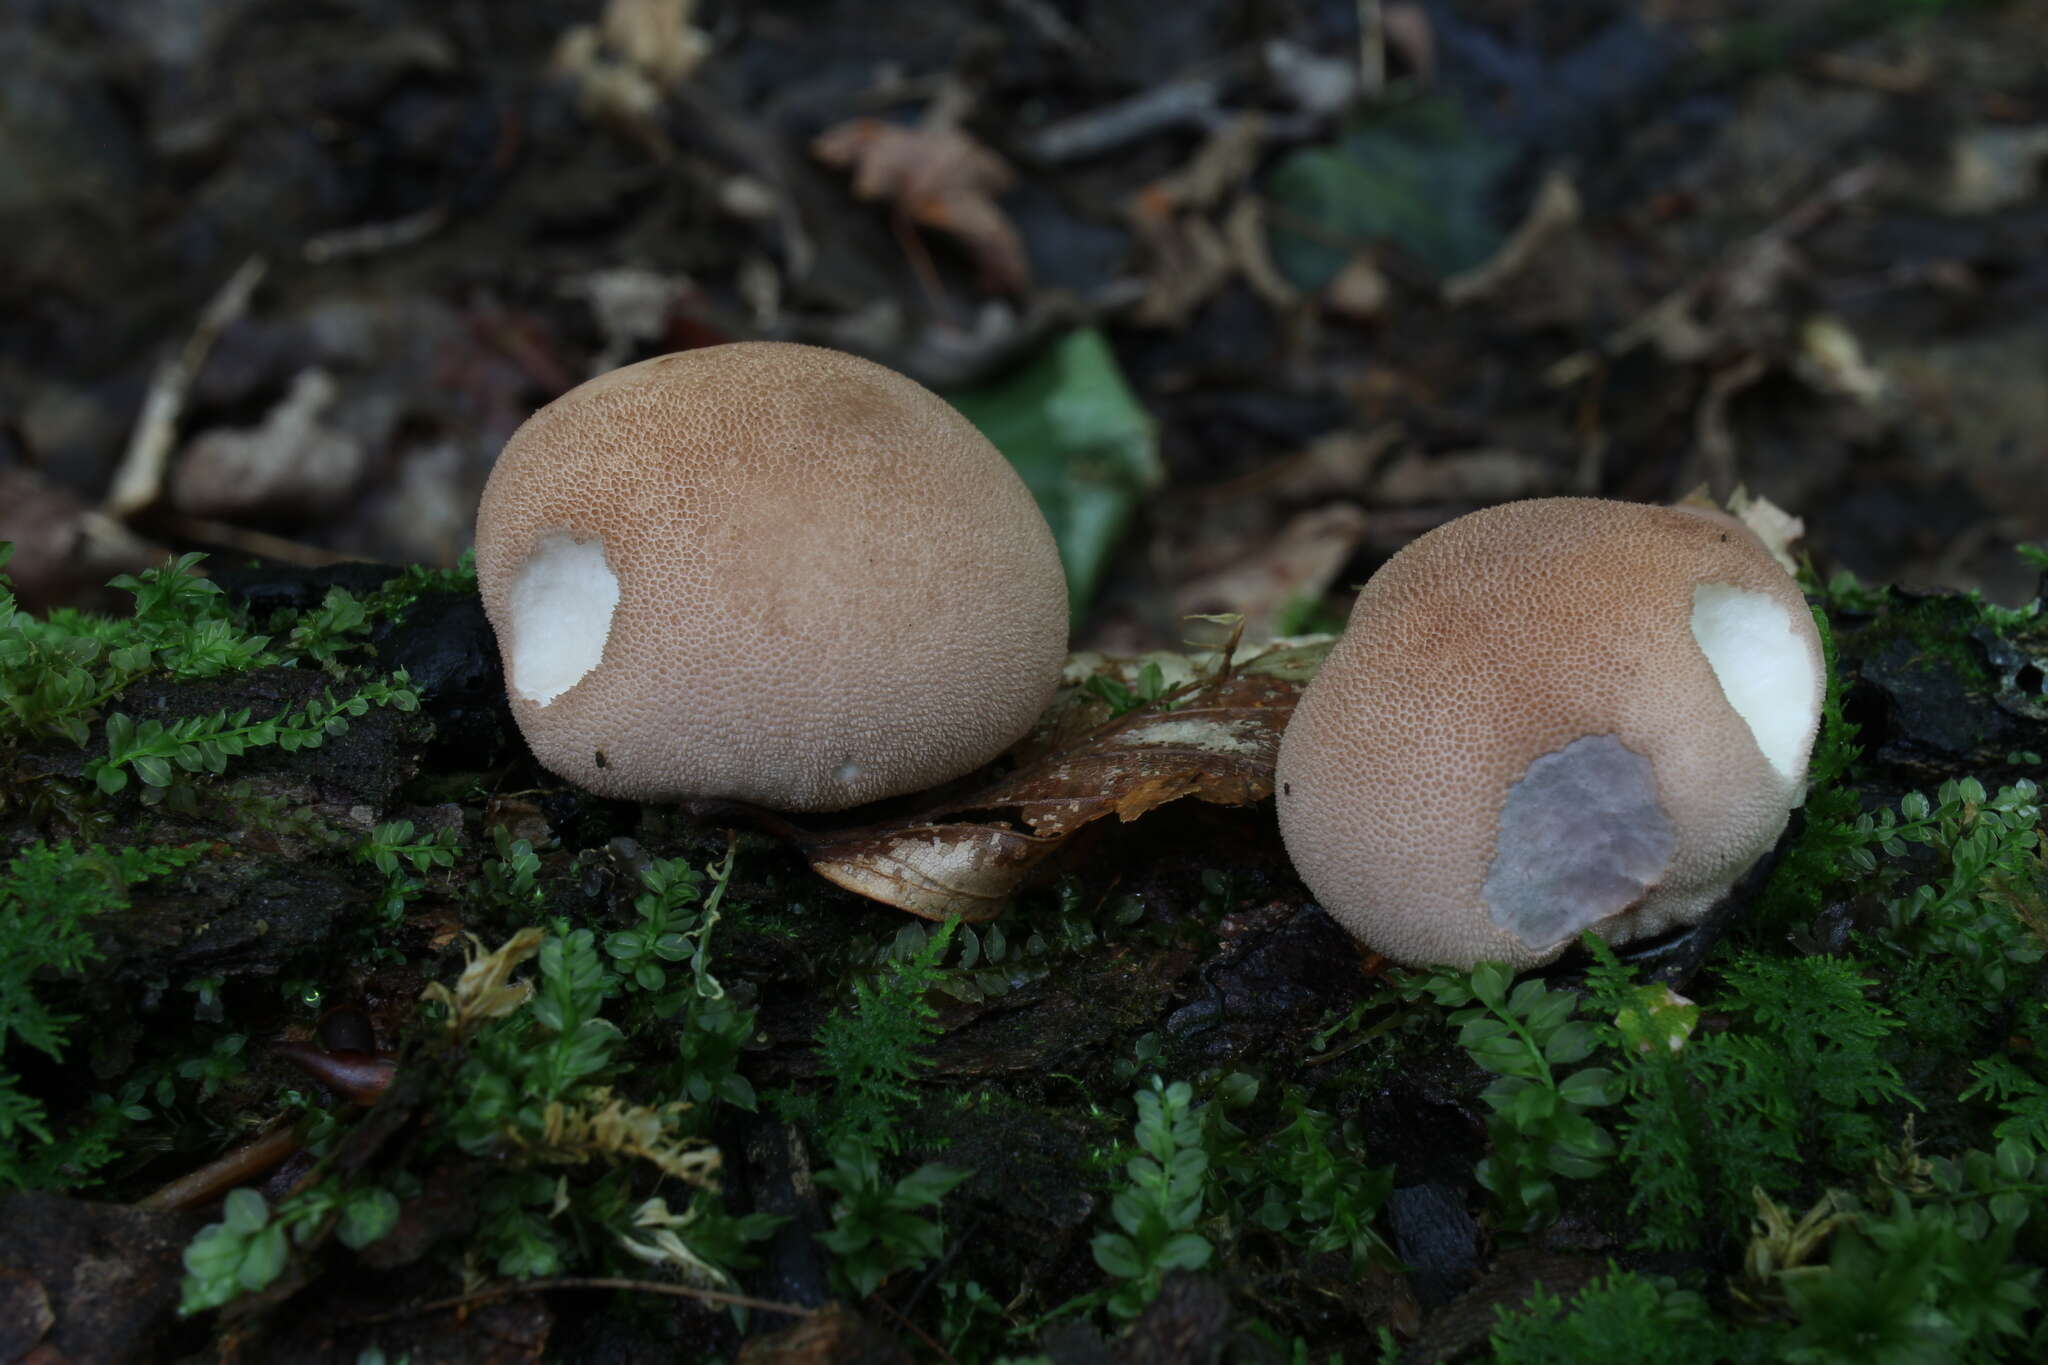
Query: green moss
x: 49, y: 895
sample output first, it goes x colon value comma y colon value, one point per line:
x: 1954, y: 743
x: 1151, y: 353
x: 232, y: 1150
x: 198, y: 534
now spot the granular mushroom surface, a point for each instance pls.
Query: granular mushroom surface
x: 1546, y: 717
x: 767, y: 572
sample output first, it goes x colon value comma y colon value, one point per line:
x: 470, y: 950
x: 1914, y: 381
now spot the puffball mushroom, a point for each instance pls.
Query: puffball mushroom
x: 1547, y: 717
x: 766, y: 572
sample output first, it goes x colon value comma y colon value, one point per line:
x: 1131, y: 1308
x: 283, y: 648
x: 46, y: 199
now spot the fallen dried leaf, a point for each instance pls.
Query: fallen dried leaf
x: 1338, y: 462
x: 1832, y: 359
x: 1706, y: 313
x: 937, y: 176
x: 1409, y: 32
x: 1555, y: 212
x: 1187, y: 261
x: 832, y: 1333
x: 1302, y: 560
x: 1774, y: 526
x: 625, y: 65
x: 1462, y: 476
x: 1359, y: 291
x: 952, y: 871
x: 1215, y: 741
x: 1995, y: 167
x: 65, y: 551
x: 1188, y: 257
x: 657, y: 37
x: 1244, y: 228
x: 288, y: 466
x: 1777, y: 528
x: 631, y: 307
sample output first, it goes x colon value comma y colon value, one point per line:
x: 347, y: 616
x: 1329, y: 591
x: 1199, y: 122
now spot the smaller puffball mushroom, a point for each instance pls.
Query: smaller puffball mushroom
x: 766, y: 572
x: 1547, y: 717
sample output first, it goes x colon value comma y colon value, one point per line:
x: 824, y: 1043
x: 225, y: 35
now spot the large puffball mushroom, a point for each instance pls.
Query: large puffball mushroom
x: 766, y: 572
x: 1547, y: 717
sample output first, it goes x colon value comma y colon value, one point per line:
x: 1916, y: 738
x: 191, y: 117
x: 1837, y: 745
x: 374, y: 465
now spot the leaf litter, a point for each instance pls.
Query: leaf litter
x: 1214, y: 738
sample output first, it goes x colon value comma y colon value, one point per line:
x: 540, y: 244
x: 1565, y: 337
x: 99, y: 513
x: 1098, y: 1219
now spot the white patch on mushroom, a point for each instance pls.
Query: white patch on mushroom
x: 562, y: 601
x: 1582, y: 837
x: 1765, y: 670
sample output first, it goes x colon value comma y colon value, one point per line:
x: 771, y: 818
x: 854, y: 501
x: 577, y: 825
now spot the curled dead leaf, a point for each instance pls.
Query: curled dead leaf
x: 1189, y: 255
x: 486, y: 990
x: 1215, y: 739
x: 1778, y: 529
x: 939, y: 871
x: 937, y: 176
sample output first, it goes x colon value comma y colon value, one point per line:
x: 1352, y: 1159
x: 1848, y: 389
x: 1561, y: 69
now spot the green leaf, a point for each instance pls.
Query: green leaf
x: 1552, y: 1010
x: 929, y: 1183
x: 1490, y: 984
x: 1590, y: 1087
x: 1527, y: 995
x: 1573, y: 1042
x: 1117, y: 1255
x: 1187, y: 1251
x: 1481, y: 1029
x: 1082, y: 442
x: 366, y: 1216
x: 1531, y: 1107
x: 1509, y: 1055
x: 1421, y: 176
x: 244, y: 1212
x: 2009, y: 1209
x: 263, y: 1259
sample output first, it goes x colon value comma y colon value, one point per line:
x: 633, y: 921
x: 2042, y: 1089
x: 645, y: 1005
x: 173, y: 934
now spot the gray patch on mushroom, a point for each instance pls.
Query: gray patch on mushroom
x: 1582, y: 837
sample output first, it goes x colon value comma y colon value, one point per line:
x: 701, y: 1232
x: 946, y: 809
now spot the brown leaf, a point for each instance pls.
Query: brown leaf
x: 832, y: 1334
x: 1188, y: 257
x: 949, y: 871
x: 1188, y: 261
x: 291, y: 465
x: 1215, y: 741
x: 64, y: 551
x: 1302, y: 560
x: 1484, y: 475
x: 939, y: 177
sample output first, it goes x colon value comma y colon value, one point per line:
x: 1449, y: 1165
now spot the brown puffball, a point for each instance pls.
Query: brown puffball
x: 1546, y: 717
x: 766, y: 572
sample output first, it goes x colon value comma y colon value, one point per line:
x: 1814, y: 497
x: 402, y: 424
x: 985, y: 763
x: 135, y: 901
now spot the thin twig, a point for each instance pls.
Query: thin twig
x: 263, y: 544
x: 140, y: 477
x: 1372, y: 49
x: 920, y: 1333
x: 1195, y: 99
x: 1797, y: 221
x: 1378, y: 1030
x: 225, y: 1172
x: 370, y: 238
x: 920, y: 259
x: 505, y: 1291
